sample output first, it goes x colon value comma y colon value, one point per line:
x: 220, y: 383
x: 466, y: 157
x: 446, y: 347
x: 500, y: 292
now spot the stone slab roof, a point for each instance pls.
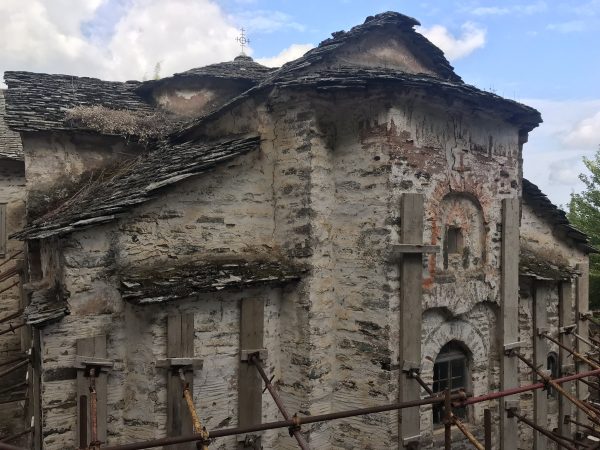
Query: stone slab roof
x: 38, y: 101
x: 349, y: 79
x: 242, y: 67
x: 543, y: 207
x: 532, y: 264
x: 136, y: 181
x: 170, y: 282
x: 10, y: 141
x: 423, y: 48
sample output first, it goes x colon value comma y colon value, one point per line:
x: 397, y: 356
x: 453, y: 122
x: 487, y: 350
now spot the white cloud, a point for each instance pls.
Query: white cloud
x: 180, y: 34
x: 521, y: 9
x: 294, y: 51
x: 264, y: 21
x: 472, y: 38
x: 43, y: 35
x: 124, y: 39
x: 572, y: 26
x: 565, y: 171
x: 590, y: 8
x: 553, y: 156
x: 585, y: 133
x: 490, y: 11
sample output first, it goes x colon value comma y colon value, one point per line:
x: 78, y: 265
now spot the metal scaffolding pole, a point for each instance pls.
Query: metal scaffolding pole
x: 12, y: 316
x: 592, y: 415
x: 15, y: 367
x: 12, y: 328
x: 16, y: 435
x: 196, y: 423
x: 455, y: 420
x: 529, y: 387
x: 590, y: 430
x: 548, y: 434
x: 294, y: 431
x: 296, y: 421
x: 571, y: 351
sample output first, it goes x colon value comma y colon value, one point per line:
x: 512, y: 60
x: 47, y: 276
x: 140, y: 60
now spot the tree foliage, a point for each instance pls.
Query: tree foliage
x: 584, y: 213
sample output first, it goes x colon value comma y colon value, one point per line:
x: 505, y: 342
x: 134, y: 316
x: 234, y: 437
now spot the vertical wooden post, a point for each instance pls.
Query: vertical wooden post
x: 180, y: 344
x: 509, y: 316
x: 35, y: 389
x: 582, y: 310
x: 411, y: 297
x: 252, y: 318
x: 565, y: 319
x: 92, y: 347
x: 487, y: 426
x: 540, y: 355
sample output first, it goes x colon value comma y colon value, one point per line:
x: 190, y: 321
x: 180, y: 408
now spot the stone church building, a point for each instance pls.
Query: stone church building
x: 356, y: 215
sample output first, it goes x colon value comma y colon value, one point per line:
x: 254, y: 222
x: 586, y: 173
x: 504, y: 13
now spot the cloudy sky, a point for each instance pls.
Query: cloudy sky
x: 544, y: 53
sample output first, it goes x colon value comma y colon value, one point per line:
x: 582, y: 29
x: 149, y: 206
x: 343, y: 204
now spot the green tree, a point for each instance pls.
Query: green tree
x: 584, y: 214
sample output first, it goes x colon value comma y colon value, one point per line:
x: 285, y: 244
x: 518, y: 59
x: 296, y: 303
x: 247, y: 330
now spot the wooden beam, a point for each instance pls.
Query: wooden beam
x: 252, y: 318
x: 509, y: 317
x: 411, y: 316
x: 180, y: 344
x: 540, y: 356
x: 94, y: 347
x: 396, y: 251
x: 565, y: 318
x: 582, y: 311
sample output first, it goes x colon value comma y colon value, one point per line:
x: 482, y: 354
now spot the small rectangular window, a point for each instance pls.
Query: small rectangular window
x: 2, y: 229
x: 454, y: 240
x: 35, y: 260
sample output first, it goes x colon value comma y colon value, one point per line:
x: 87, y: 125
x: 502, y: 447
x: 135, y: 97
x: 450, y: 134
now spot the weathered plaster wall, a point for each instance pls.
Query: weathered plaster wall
x: 194, y: 97
x: 382, y: 149
x: 136, y: 340
x: 379, y: 50
x: 541, y: 238
x: 547, y: 292
x: 55, y: 160
x: 325, y: 190
x: 12, y: 193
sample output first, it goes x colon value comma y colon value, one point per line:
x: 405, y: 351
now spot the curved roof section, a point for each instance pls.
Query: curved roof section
x: 241, y: 68
x: 441, y: 79
x: 398, y: 25
x: 542, y: 205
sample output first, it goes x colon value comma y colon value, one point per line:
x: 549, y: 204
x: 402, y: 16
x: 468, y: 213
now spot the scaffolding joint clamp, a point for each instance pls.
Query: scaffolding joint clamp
x: 296, y: 427
x: 185, y: 364
x: 261, y: 354
x: 509, y: 349
x: 411, y: 368
x: 567, y: 329
x: 87, y: 363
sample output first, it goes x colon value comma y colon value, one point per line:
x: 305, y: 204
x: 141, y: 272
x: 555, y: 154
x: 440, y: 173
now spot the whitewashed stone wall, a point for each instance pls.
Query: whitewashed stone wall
x: 540, y: 237
x: 324, y: 190
x: 12, y: 192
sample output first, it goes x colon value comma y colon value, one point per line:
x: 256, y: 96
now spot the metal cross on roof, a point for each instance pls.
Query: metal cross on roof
x: 243, y: 40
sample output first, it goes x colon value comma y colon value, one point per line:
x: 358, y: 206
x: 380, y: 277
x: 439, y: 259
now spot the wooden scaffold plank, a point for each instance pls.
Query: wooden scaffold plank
x: 411, y: 298
x: 249, y: 381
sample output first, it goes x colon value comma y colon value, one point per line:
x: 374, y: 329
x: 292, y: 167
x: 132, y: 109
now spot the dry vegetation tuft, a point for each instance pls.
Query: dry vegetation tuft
x: 144, y: 127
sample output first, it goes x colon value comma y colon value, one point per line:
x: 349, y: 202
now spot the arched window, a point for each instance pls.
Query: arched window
x: 552, y: 367
x: 450, y: 371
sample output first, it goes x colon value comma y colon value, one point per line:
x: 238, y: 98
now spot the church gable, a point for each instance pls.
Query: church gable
x: 387, y: 40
